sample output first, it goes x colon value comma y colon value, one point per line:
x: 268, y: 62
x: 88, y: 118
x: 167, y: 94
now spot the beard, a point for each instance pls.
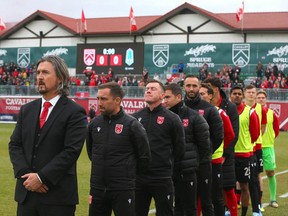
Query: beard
x: 41, y: 87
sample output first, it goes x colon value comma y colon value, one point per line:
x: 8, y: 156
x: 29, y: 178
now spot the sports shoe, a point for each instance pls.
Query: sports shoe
x: 274, y: 204
x: 227, y: 213
x: 256, y: 214
x: 262, y: 209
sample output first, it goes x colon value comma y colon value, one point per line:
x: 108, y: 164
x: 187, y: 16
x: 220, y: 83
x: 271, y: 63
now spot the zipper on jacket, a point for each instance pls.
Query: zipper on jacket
x: 105, y: 152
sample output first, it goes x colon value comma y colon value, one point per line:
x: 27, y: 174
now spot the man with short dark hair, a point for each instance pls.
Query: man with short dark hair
x: 207, y: 93
x: 210, y: 113
x: 167, y: 143
x: 117, y: 145
x: 221, y: 100
x: 249, y: 131
x: 197, y: 152
x: 268, y: 139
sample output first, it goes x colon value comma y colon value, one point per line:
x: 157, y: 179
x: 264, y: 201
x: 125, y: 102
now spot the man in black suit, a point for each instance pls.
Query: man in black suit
x: 44, y: 148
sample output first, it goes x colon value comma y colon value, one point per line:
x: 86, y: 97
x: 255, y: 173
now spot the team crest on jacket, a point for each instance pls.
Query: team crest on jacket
x: 160, y: 120
x: 201, y: 112
x: 118, y: 128
x: 185, y: 122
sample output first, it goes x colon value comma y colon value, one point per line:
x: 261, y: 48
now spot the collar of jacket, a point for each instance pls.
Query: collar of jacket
x: 117, y: 116
x: 192, y: 101
x: 176, y: 109
x: 155, y: 110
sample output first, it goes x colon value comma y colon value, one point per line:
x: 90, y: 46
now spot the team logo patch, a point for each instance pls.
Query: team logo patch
x: 89, y: 56
x: 160, y: 55
x: 201, y: 112
x: 118, y: 128
x: 185, y: 122
x: 23, y: 57
x: 160, y: 120
x: 241, y: 54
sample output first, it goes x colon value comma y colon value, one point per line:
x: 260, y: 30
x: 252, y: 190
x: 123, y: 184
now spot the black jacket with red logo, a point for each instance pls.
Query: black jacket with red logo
x: 211, y: 114
x: 197, y: 139
x: 166, y: 138
x: 118, y: 147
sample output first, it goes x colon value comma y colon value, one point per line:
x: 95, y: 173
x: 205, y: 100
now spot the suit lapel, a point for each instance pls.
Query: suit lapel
x: 33, y: 124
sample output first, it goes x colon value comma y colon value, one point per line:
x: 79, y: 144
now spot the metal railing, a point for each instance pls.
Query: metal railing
x: 130, y: 91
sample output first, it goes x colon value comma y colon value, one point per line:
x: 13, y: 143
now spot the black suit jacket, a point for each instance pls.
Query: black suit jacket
x: 52, y: 151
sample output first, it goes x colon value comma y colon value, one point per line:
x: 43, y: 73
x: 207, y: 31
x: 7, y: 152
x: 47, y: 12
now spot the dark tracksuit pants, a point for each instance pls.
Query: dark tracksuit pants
x: 204, y: 188
x: 162, y: 190
x: 103, y: 202
x: 186, y: 195
x: 217, y: 189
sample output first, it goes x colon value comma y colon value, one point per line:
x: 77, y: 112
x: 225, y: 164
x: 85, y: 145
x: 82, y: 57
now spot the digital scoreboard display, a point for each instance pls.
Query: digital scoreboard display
x: 123, y: 58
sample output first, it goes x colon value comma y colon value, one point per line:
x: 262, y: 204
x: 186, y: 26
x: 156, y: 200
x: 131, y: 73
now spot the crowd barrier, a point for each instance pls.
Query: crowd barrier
x: 11, y: 99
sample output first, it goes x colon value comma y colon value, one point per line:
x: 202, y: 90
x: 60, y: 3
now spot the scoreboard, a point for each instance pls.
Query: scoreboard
x: 123, y: 58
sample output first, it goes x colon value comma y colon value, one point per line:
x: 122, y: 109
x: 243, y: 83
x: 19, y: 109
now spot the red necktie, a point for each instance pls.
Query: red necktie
x: 44, y: 113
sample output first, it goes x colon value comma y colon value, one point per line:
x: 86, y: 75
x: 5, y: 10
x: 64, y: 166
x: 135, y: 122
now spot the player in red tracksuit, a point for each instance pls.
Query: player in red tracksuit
x: 207, y: 93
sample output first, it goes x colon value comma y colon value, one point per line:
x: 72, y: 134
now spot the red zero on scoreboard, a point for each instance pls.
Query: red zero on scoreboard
x: 116, y: 60
x: 101, y: 60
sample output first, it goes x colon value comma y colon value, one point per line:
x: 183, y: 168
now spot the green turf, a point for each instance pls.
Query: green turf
x: 7, y: 182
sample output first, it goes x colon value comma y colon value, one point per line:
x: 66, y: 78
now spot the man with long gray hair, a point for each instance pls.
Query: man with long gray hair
x: 46, y: 143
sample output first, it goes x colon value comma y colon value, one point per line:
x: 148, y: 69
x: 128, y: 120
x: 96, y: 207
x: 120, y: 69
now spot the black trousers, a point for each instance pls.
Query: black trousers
x: 103, y: 202
x: 254, y: 185
x: 161, y: 190
x: 33, y: 207
x: 186, y: 196
x: 217, y: 189
x: 204, y: 188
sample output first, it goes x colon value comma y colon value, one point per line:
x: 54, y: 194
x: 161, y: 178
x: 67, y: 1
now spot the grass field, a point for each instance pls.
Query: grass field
x: 7, y: 182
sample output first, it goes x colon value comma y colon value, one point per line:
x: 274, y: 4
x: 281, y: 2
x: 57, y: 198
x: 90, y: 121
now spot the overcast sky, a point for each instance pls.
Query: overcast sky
x: 16, y: 10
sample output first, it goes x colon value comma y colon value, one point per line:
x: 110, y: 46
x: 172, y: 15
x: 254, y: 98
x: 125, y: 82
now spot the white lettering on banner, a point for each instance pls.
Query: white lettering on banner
x: 283, y: 50
x: 199, y: 65
x: 200, y: 50
x: 15, y: 108
x: 58, y: 52
x: 278, y: 60
x: 133, y: 104
x: 3, y: 52
x: 18, y: 101
x: 208, y: 59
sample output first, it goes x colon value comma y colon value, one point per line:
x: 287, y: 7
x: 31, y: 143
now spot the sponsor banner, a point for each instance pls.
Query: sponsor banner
x: 10, y: 106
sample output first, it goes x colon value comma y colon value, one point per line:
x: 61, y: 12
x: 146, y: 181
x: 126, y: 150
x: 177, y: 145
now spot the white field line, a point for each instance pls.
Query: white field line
x: 278, y: 173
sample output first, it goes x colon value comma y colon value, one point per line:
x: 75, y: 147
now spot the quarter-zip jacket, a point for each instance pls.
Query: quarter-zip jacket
x: 118, y: 148
x: 166, y: 138
x: 197, y: 145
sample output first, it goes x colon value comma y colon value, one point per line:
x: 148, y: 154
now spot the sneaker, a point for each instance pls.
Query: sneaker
x: 239, y: 206
x: 255, y: 214
x: 262, y: 209
x: 274, y: 204
x: 227, y: 213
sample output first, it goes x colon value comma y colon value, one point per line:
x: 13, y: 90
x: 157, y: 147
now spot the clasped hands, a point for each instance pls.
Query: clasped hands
x: 33, y: 183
